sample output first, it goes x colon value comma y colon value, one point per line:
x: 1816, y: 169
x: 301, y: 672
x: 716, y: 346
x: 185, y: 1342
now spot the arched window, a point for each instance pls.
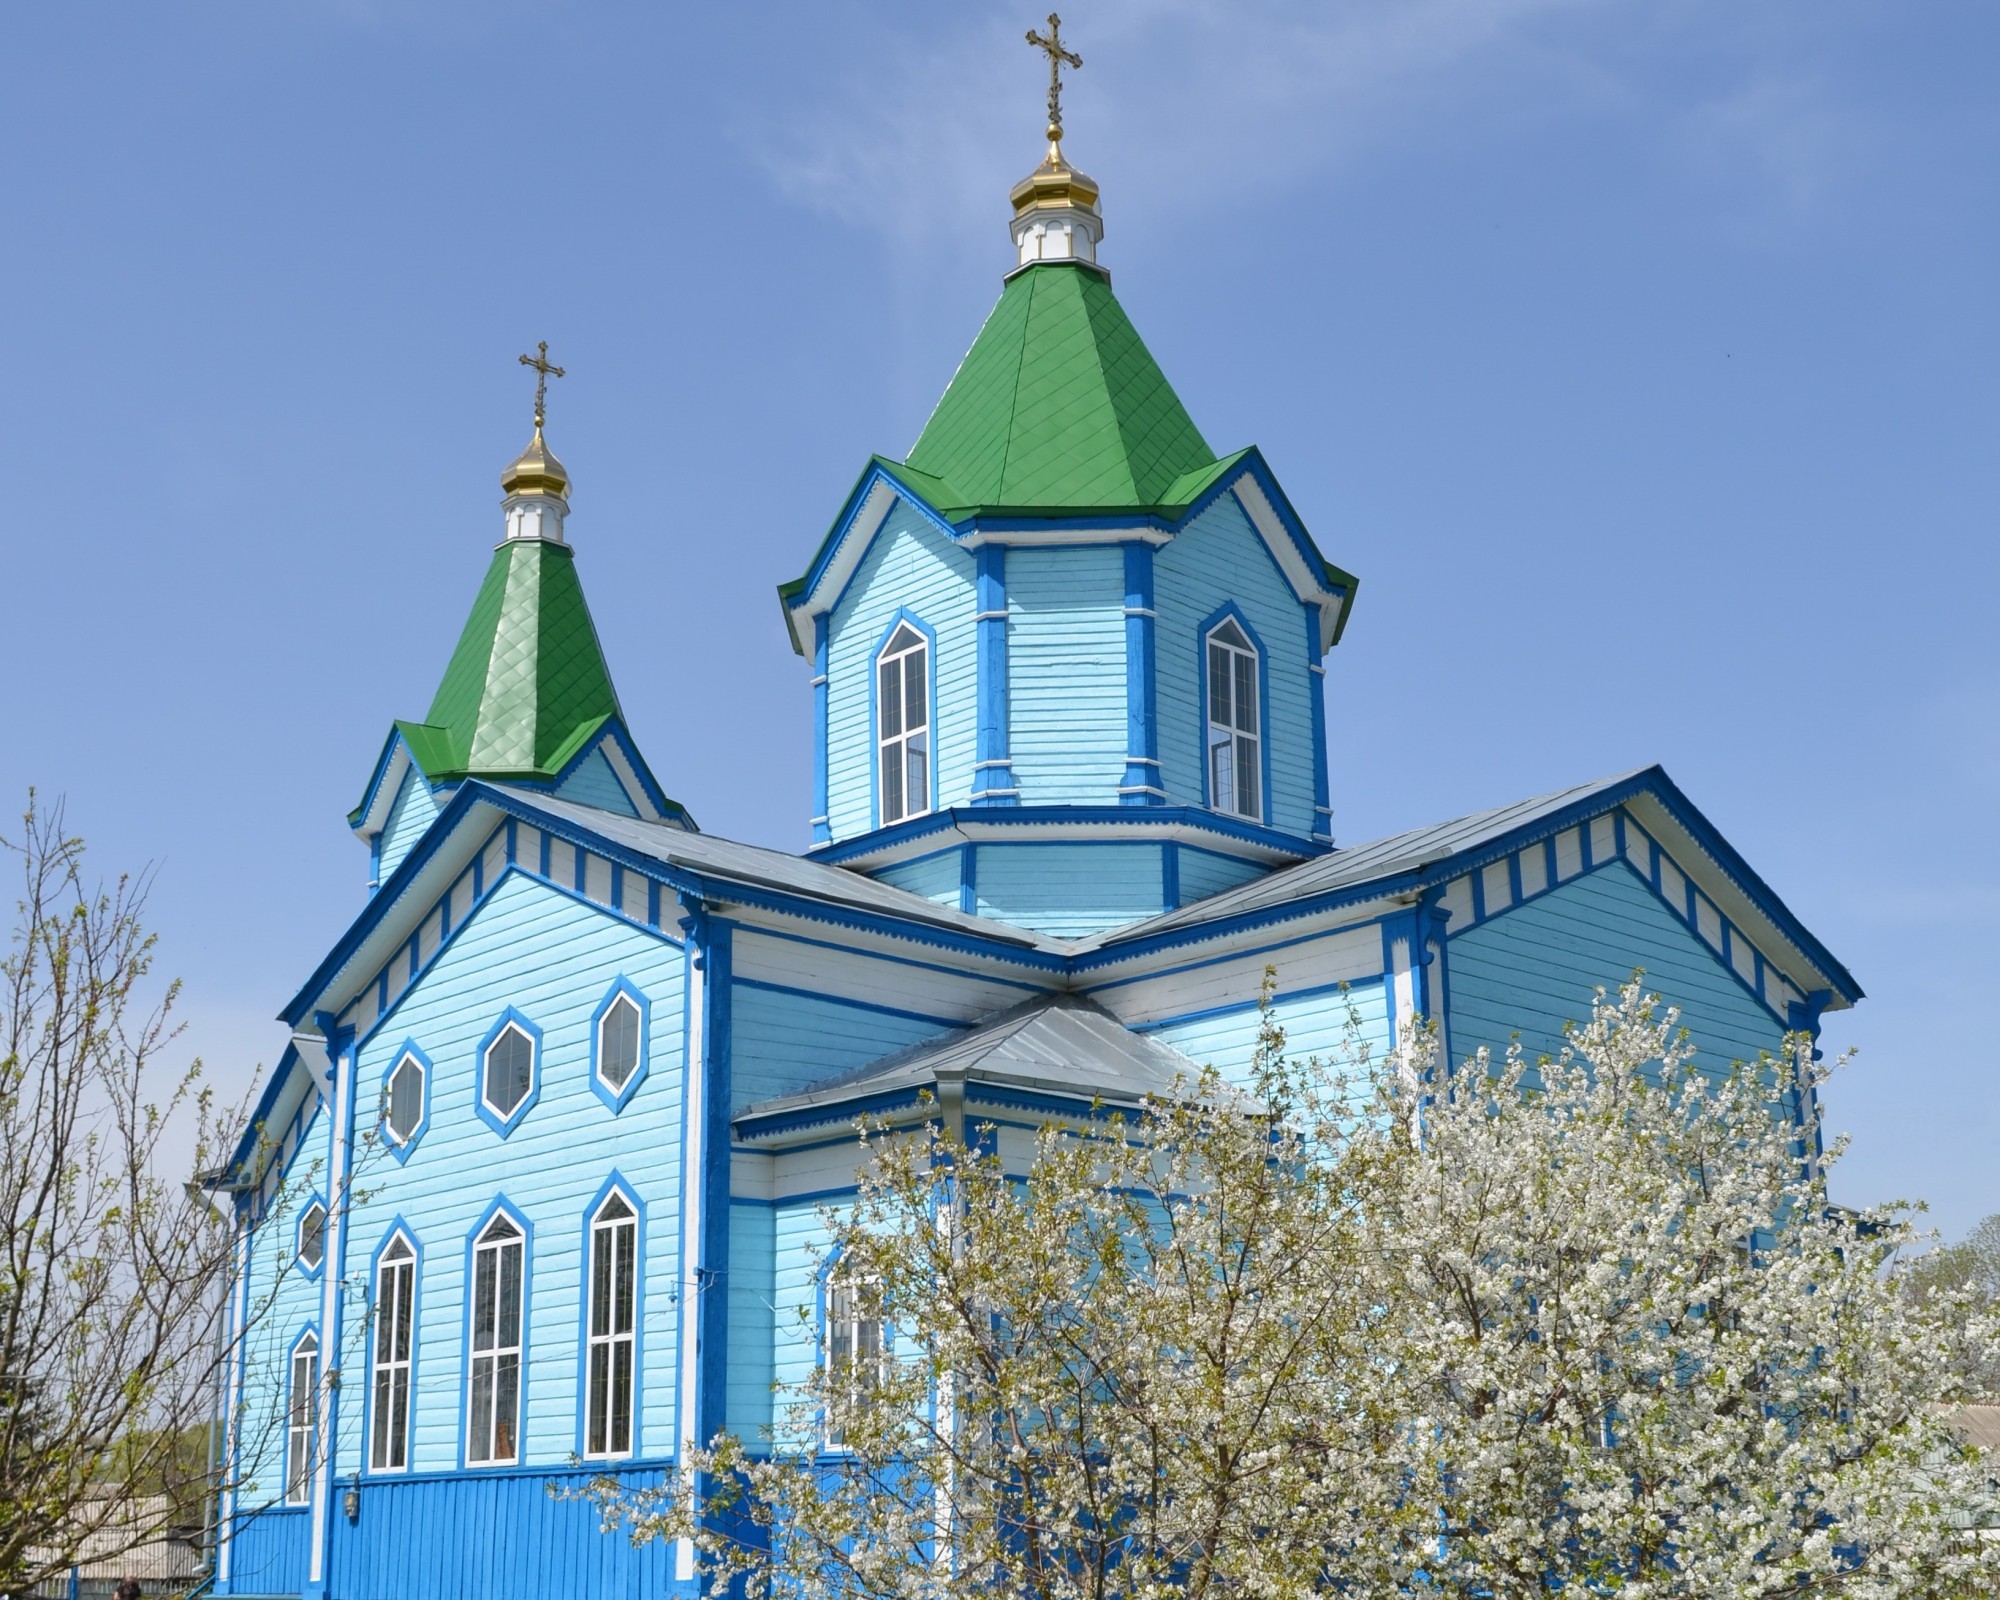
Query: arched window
x: 312, y: 1236
x: 1235, y: 724
x: 903, y: 725
x: 302, y: 1421
x: 618, y: 1043
x: 493, y: 1385
x: 510, y: 1069
x: 395, y: 1335
x: 405, y: 1109
x: 611, y: 1330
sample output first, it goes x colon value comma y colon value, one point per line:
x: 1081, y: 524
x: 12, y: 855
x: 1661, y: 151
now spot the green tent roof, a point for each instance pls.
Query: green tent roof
x: 527, y: 682
x: 1058, y: 405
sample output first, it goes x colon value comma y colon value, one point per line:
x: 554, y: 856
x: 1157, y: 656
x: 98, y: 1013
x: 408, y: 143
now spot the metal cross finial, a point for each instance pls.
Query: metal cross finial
x: 544, y: 370
x: 1051, y: 45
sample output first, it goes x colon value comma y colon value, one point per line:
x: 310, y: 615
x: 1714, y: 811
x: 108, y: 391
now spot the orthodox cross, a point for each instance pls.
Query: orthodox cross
x: 1051, y: 45
x: 544, y: 370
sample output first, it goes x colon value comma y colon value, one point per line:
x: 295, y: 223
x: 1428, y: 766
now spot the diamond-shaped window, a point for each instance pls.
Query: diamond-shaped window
x: 312, y: 1235
x: 510, y: 1069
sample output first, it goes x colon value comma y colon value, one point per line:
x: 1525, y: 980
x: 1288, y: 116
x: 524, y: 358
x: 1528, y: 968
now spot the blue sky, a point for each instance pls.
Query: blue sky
x: 1639, y: 355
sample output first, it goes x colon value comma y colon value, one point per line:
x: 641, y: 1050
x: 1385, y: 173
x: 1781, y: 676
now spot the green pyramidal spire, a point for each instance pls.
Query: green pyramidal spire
x: 527, y: 683
x: 1059, y: 405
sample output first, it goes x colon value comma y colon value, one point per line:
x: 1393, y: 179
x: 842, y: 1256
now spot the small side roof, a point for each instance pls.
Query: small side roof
x: 1063, y: 1045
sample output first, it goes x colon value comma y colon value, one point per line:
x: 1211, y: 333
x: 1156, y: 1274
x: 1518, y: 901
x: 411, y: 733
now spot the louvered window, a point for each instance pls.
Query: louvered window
x: 903, y: 725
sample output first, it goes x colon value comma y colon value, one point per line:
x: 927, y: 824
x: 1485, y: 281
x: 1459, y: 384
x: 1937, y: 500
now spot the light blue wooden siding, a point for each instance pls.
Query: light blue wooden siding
x: 413, y: 811
x: 800, y: 1245
x: 446, y: 1538
x: 1069, y: 889
x: 1534, y: 968
x: 1315, y: 1024
x: 1216, y: 560
x: 752, y: 1309
x: 781, y: 1041
x: 554, y: 957
x: 1066, y: 674
x: 283, y: 1302
x: 1204, y: 873
x: 933, y: 877
x: 593, y: 783
x: 910, y: 565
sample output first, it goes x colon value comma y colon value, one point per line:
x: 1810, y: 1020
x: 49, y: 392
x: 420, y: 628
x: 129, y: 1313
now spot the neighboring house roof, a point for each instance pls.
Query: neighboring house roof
x: 1062, y: 1044
x: 1059, y: 404
x: 1979, y: 1424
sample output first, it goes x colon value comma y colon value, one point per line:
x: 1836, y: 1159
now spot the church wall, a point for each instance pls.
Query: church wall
x: 1203, y: 873
x: 912, y: 567
x: 414, y: 811
x: 282, y: 1303
x: 553, y: 957
x: 801, y: 1242
x: 1066, y: 673
x: 1219, y: 559
x: 593, y: 783
x: 1316, y: 1022
x: 784, y: 1039
x: 753, y: 1245
x: 1069, y: 890
x: 925, y: 989
x: 1534, y: 967
x: 934, y: 877
x: 1197, y: 984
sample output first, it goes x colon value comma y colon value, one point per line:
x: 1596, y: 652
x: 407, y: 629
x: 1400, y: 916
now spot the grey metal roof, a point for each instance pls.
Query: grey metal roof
x: 757, y: 867
x: 1063, y: 1044
x: 1360, y: 864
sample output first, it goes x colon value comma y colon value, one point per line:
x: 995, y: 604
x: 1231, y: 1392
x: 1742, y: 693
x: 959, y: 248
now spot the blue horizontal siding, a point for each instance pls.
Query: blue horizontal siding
x: 1533, y: 970
x: 933, y: 877
x: 1315, y: 1025
x: 780, y: 1042
x: 593, y: 783
x: 1069, y: 889
x: 1066, y: 674
x: 413, y: 811
x: 800, y: 1241
x: 1218, y: 559
x: 752, y: 1302
x: 1204, y: 873
x: 909, y: 565
x: 554, y: 958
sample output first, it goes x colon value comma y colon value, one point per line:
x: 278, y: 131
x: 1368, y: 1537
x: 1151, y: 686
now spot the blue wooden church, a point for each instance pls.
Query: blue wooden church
x: 535, y: 1193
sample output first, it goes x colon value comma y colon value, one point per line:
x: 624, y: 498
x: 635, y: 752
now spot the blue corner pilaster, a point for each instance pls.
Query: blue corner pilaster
x: 1141, y: 785
x: 822, y: 826
x: 1316, y: 672
x: 993, y: 770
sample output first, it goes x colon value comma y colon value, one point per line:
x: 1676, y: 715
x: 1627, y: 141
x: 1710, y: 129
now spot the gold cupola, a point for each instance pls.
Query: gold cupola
x: 1055, y: 206
x: 536, y: 470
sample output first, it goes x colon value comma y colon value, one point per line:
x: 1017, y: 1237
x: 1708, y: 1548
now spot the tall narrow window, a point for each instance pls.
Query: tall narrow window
x: 856, y: 1351
x: 903, y: 724
x: 395, y: 1319
x: 1235, y: 732
x: 302, y: 1421
x: 618, y: 1043
x: 493, y: 1399
x: 614, y: 1274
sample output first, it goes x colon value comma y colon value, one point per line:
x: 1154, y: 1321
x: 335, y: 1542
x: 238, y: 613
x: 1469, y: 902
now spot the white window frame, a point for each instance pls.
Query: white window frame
x: 903, y: 662
x: 860, y: 1344
x: 494, y: 1439
x: 392, y: 1347
x: 611, y: 1339
x: 1237, y: 740
x: 409, y: 1059
x: 313, y: 1262
x: 486, y: 1070
x: 621, y: 998
x: 302, y: 1420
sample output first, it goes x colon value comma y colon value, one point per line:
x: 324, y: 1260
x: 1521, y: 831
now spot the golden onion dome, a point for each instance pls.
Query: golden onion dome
x: 536, y: 470
x: 1054, y: 183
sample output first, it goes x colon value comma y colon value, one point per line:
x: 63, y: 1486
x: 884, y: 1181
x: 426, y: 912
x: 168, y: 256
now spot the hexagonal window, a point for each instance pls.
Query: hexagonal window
x: 406, y: 1099
x: 510, y: 1069
x: 618, y: 1043
x: 312, y: 1236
